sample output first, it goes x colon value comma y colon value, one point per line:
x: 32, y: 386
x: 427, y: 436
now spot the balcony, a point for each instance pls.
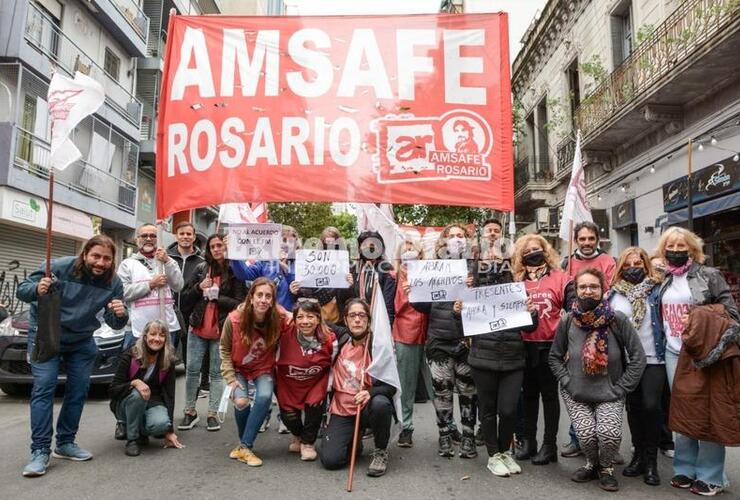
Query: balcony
x: 125, y: 20
x: 685, y: 60
x: 44, y: 36
x: 565, y: 153
x: 533, y: 183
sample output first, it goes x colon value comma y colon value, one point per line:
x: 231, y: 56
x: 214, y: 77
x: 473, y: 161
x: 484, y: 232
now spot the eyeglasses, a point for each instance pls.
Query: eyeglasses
x: 360, y: 315
x: 590, y: 288
x: 310, y: 300
x: 148, y: 236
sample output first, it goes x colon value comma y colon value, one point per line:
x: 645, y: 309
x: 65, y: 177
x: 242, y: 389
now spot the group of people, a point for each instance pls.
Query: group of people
x: 606, y: 335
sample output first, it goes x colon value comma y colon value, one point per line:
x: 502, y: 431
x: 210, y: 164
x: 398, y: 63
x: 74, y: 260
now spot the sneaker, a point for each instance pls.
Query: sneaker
x: 265, y: 425
x: 510, y: 463
x: 202, y: 393
x: 607, y: 481
x: 682, y: 482
x: 479, y: 441
x: 668, y: 453
x: 367, y: 433
x: 120, y: 433
x: 212, y: 423
x: 308, y: 452
x: 570, y: 450
x: 132, y: 449
x: 404, y: 439
x: 456, y: 436
x: 379, y: 463
x: 37, y: 465
x: 248, y: 457
x: 467, y: 447
x: 236, y: 452
x: 585, y: 474
x: 70, y: 451
x: 281, y: 428
x: 188, y: 422
x: 497, y: 466
x: 706, y: 490
x: 445, y: 446
x: 295, y: 445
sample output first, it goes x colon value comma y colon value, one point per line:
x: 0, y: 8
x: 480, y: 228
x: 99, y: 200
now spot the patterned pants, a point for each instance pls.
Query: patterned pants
x: 449, y: 373
x: 598, y: 427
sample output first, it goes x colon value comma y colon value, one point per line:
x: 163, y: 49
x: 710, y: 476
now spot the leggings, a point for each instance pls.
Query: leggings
x: 598, y: 427
x: 308, y: 428
x: 449, y: 373
x: 538, y: 379
x: 644, y: 413
x: 498, y: 395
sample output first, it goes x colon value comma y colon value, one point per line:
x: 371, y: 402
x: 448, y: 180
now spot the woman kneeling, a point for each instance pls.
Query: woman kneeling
x: 353, y: 389
x: 143, y: 389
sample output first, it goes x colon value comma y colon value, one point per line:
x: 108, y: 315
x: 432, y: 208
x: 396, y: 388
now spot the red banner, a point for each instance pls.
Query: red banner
x: 390, y: 109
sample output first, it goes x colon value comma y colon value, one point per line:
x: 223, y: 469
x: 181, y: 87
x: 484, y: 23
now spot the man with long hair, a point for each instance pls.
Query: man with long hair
x: 87, y: 285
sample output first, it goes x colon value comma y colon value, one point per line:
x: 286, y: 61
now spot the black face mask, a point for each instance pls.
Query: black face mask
x: 535, y: 259
x: 634, y: 275
x: 677, y: 258
x: 588, y: 304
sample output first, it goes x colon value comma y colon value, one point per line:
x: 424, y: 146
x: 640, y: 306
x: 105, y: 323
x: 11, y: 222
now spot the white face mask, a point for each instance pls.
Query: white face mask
x: 456, y: 246
x: 409, y: 255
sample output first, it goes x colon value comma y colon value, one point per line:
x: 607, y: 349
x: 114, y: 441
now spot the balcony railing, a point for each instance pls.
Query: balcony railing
x: 136, y: 17
x: 688, y: 28
x: 32, y: 156
x: 566, y: 152
x: 528, y: 170
x: 43, y: 34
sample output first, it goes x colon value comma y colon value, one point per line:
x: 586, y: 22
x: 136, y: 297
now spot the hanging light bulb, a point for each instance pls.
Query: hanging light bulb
x: 713, y: 140
x: 598, y: 197
x: 736, y: 157
x: 652, y: 169
x: 623, y: 187
x: 701, y: 147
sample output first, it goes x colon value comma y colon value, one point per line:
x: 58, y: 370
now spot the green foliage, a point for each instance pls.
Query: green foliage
x: 347, y: 225
x: 518, y: 124
x: 644, y: 33
x: 431, y: 215
x: 310, y: 219
x: 594, y: 68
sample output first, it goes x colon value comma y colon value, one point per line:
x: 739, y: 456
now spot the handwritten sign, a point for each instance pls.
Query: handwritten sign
x: 254, y: 241
x: 322, y: 268
x: 493, y: 308
x: 437, y: 280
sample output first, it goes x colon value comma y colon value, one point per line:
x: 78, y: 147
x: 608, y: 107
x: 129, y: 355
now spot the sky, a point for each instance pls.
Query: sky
x: 521, y: 12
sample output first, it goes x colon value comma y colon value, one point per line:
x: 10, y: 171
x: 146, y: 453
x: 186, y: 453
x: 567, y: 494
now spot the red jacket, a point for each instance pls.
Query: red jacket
x: 410, y: 325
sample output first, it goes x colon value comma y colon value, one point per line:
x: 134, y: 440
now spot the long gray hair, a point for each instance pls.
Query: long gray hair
x: 165, y: 357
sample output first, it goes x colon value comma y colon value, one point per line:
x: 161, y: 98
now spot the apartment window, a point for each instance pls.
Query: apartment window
x: 574, y: 88
x: 622, y: 32
x: 112, y: 64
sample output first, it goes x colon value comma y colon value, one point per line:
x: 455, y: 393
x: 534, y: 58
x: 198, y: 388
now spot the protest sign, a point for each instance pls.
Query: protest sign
x: 322, y: 268
x: 254, y: 241
x: 436, y: 280
x: 493, y: 308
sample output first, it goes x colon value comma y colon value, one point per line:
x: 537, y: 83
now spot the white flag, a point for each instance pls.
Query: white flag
x: 576, y: 208
x: 383, y: 366
x: 70, y: 101
x: 236, y: 213
x: 370, y: 217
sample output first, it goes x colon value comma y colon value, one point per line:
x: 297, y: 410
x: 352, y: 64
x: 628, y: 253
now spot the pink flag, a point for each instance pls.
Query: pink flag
x: 576, y: 208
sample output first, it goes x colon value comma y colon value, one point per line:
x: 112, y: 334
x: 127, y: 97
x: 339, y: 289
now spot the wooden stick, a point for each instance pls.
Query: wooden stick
x: 355, y: 435
x: 160, y: 266
x: 570, y: 247
x: 689, y: 197
x: 49, y: 212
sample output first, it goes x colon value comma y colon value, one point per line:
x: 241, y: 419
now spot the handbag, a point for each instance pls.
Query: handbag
x: 49, y: 326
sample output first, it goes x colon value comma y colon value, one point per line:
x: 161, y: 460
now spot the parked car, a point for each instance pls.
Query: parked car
x: 15, y: 371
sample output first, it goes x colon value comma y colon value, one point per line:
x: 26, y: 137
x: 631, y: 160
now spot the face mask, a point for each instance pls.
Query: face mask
x: 409, y: 255
x: 535, y: 259
x: 455, y: 246
x: 588, y: 304
x: 677, y: 258
x: 634, y: 274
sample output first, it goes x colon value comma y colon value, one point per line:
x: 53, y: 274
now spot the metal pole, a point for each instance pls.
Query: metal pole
x: 49, y: 213
x: 689, y: 196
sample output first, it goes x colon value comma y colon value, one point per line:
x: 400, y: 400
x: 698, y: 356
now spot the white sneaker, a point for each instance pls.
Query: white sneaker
x: 497, y: 466
x: 668, y: 453
x: 281, y: 428
x: 510, y: 463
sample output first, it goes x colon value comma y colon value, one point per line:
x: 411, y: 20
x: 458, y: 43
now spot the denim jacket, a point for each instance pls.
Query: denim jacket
x: 707, y: 286
x: 656, y: 321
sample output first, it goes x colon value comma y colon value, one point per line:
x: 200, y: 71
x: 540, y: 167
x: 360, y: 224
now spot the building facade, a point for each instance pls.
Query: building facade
x: 639, y: 79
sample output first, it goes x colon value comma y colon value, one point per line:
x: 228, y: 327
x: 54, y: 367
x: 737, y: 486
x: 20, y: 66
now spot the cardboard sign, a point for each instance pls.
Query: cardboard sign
x: 376, y: 109
x: 322, y: 268
x: 493, y: 308
x: 437, y: 280
x: 254, y: 241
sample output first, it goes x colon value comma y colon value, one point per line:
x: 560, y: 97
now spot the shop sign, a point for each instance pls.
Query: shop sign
x: 720, y: 178
x: 623, y: 214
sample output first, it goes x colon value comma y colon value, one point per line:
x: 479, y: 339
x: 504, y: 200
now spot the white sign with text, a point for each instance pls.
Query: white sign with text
x: 322, y: 268
x: 437, y: 280
x: 254, y: 241
x: 493, y: 308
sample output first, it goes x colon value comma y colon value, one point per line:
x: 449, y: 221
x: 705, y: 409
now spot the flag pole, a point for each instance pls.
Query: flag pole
x: 570, y: 247
x: 160, y: 266
x: 690, y: 201
x: 356, y: 433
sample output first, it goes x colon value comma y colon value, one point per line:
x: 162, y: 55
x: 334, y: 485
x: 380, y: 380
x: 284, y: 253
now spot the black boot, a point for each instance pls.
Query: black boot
x: 548, y: 453
x: 651, y: 468
x: 636, y: 467
x: 527, y: 449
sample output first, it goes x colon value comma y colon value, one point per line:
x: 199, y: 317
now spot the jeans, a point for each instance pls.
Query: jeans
x: 411, y: 371
x: 498, y: 395
x: 79, y: 360
x: 197, y: 348
x: 307, y: 429
x: 142, y: 419
x: 249, y: 417
x: 700, y: 460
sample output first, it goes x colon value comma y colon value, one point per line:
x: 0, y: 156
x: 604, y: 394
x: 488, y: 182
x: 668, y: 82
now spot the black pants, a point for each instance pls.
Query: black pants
x: 666, y: 435
x: 539, y: 380
x: 306, y: 429
x: 644, y: 412
x: 336, y: 446
x: 498, y: 395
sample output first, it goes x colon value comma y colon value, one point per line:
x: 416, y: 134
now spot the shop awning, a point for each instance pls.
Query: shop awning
x: 703, y: 209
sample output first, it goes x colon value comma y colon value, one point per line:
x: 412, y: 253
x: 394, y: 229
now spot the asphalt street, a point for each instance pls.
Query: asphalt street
x: 203, y: 470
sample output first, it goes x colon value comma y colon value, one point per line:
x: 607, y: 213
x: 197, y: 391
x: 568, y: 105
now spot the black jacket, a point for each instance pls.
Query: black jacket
x: 231, y: 293
x: 187, y: 266
x: 445, y: 332
x: 385, y: 280
x: 120, y: 387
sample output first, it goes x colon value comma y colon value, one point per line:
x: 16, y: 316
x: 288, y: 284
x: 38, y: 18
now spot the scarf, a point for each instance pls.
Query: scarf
x: 595, y: 351
x: 309, y: 344
x: 679, y: 271
x: 637, y: 297
x: 536, y: 273
x: 581, y: 256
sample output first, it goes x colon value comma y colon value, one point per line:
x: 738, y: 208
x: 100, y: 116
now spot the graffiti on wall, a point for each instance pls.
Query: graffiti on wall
x: 10, y: 278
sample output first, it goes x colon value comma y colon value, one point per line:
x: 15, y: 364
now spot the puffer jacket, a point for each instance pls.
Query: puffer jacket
x: 705, y: 399
x: 445, y: 332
